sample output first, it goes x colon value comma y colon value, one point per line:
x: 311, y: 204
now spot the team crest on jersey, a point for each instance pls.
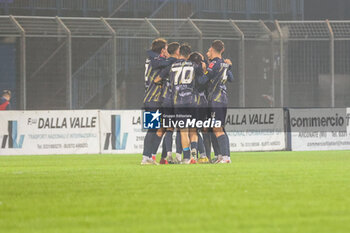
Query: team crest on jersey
x: 211, y: 65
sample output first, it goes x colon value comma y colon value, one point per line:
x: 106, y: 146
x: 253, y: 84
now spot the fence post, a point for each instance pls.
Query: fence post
x: 200, y: 42
x: 282, y: 61
x: 268, y: 31
x: 332, y: 62
x: 23, y: 79
x: 114, y: 62
x: 152, y: 27
x: 69, y: 94
x: 242, y: 72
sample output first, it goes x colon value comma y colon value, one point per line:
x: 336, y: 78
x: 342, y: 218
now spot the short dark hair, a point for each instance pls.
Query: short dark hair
x: 6, y: 92
x: 158, y: 44
x: 195, y: 57
x: 218, y: 45
x: 172, y: 47
x: 185, y: 50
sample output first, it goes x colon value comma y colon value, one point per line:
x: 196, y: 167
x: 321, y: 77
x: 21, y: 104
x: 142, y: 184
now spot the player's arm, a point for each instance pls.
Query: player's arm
x: 162, y: 75
x: 158, y: 63
x: 229, y: 62
x: 229, y: 72
x: 203, y: 79
x: 229, y: 76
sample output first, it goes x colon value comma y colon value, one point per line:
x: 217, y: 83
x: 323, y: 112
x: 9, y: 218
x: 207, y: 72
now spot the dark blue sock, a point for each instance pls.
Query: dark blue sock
x: 187, y: 153
x: 164, y: 149
x: 201, y: 148
x: 147, y: 144
x: 222, y: 140
x: 155, y: 143
x: 178, y: 143
x: 215, y: 143
x: 194, y: 145
x: 228, y: 144
x: 207, y: 144
x: 168, y: 139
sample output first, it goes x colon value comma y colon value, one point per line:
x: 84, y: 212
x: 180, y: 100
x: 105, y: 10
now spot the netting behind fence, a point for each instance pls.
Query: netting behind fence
x: 84, y: 63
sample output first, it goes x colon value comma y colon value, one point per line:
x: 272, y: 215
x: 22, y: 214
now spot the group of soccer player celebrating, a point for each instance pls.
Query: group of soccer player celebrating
x: 182, y: 83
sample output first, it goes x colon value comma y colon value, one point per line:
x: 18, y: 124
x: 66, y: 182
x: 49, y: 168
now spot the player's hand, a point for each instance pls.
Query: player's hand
x: 167, y: 55
x: 204, y: 67
x: 228, y: 61
x: 157, y: 80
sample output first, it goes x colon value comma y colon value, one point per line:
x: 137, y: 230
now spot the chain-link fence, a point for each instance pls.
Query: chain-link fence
x: 83, y: 63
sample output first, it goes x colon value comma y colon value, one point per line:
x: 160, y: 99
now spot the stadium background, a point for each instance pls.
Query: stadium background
x: 281, y: 191
x: 68, y: 62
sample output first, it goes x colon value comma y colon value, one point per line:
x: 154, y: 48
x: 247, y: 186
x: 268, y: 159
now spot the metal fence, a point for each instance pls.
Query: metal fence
x: 82, y: 63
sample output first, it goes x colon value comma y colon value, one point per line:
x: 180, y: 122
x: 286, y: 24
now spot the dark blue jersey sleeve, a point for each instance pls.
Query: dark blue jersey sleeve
x: 160, y: 62
x: 202, y: 79
x: 157, y: 61
x: 229, y: 76
x: 152, y: 54
x: 165, y: 72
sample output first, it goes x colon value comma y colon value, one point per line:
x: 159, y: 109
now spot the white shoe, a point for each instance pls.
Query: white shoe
x: 194, y: 154
x: 170, y: 159
x: 224, y: 159
x: 186, y: 161
x: 177, y: 159
x: 148, y: 161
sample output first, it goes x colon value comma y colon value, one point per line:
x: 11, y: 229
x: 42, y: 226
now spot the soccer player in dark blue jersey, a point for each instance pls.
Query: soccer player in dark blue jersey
x: 183, y: 78
x: 202, y: 103
x: 219, y: 73
x: 167, y: 103
x: 156, y: 61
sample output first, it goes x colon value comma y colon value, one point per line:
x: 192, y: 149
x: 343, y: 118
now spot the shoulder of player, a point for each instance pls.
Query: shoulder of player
x: 218, y: 63
x: 182, y: 63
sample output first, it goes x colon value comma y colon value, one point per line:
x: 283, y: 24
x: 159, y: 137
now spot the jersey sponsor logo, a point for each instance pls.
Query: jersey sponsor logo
x: 11, y: 138
x: 211, y: 65
x: 114, y: 137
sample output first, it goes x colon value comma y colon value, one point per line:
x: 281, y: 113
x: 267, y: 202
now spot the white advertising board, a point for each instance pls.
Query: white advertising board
x: 320, y: 129
x: 121, y: 132
x: 256, y: 129
x: 49, y: 132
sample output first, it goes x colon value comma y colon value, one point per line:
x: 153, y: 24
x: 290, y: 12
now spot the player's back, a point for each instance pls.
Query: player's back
x: 220, y: 73
x: 182, y: 78
x: 153, y: 65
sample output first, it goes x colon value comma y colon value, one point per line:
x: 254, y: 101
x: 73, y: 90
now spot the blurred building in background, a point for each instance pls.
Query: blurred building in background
x: 212, y: 9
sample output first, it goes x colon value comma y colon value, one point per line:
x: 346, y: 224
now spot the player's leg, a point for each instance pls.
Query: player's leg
x: 163, y: 157
x: 147, y: 145
x: 228, y: 143
x: 157, y: 139
x: 220, y: 114
x: 214, y: 141
x: 168, y: 140
x: 207, y: 142
x: 194, y: 143
x: 147, y: 150
x: 201, y: 148
x: 185, y: 141
x: 178, y: 157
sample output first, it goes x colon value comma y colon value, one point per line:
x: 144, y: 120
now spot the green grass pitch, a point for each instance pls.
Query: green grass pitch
x: 259, y: 192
